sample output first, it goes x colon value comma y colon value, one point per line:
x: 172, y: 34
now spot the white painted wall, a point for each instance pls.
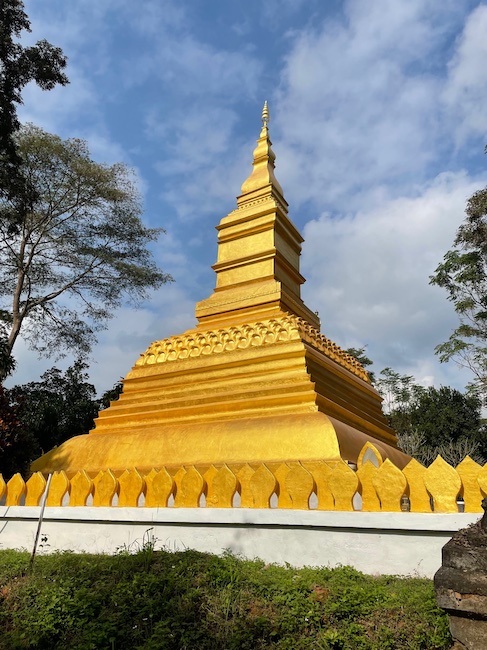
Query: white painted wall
x: 402, y: 543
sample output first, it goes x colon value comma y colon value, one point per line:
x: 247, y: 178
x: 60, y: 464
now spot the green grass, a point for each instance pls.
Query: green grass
x: 194, y: 601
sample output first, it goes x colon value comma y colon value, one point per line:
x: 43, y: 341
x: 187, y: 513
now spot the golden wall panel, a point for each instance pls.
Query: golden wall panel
x: 58, y: 488
x: 284, y: 498
x: 285, y: 485
x: 444, y: 485
x: 299, y: 485
x: 469, y: 470
x: 391, y: 485
x: 81, y: 489
x: 320, y: 472
x: 222, y: 486
x: 419, y: 496
x: 160, y: 487
x: 132, y: 486
x: 15, y: 490
x: 35, y: 487
x: 105, y: 488
x: 190, y: 486
x: 244, y: 475
x: 344, y: 483
x: 262, y: 486
x: 370, y: 500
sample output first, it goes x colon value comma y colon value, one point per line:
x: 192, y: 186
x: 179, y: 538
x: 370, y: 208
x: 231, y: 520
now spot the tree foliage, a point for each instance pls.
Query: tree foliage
x: 17, y: 445
x: 463, y: 273
x: 362, y: 358
x: 111, y: 395
x: 40, y: 415
x: 431, y: 421
x: 78, y: 254
x: 19, y: 65
x: 43, y: 64
x: 398, y: 391
x: 445, y: 415
x: 58, y: 406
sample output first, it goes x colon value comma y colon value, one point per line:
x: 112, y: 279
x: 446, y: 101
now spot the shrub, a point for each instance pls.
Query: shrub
x: 175, y: 601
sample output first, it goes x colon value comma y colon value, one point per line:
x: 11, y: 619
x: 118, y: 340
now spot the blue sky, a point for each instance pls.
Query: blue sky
x: 378, y: 122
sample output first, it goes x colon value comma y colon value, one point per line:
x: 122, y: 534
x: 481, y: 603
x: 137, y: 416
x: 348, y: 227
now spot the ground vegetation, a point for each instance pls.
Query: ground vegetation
x: 152, y: 600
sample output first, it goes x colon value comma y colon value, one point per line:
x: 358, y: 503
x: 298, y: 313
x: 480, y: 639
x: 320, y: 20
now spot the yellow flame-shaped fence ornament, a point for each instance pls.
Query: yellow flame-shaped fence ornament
x: 375, y: 486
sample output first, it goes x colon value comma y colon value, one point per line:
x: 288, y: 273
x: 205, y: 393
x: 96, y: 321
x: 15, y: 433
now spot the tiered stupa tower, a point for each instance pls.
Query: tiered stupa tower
x: 255, y: 381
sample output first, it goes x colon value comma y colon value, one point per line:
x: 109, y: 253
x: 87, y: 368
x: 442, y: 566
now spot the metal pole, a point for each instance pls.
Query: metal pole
x: 39, y: 523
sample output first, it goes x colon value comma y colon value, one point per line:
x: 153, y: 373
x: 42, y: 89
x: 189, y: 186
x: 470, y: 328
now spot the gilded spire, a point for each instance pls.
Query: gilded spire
x: 257, y: 269
x: 265, y: 114
x: 262, y: 175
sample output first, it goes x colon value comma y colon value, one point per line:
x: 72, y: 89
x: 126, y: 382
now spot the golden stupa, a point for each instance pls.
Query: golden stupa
x: 255, y: 381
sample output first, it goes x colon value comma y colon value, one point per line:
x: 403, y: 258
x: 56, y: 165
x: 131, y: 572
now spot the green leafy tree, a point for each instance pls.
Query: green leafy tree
x: 111, y: 395
x: 40, y: 415
x: 59, y: 406
x: 7, y: 362
x: 445, y: 415
x: 19, y: 65
x: 78, y: 254
x: 399, y: 393
x: 463, y: 273
x: 17, y: 446
x: 432, y: 421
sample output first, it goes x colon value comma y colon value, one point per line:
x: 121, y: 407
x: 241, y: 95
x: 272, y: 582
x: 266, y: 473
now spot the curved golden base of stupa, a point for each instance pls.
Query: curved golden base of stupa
x: 269, y: 440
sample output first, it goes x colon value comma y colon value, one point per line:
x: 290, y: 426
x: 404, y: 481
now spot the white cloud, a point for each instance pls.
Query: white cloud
x: 366, y: 119
x: 360, y: 104
x: 368, y: 275
x: 466, y: 91
x: 192, y: 140
x: 131, y: 332
x: 59, y: 110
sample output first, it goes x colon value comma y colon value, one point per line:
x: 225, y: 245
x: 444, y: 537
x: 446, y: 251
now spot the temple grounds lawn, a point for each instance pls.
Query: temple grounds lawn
x: 195, y: 601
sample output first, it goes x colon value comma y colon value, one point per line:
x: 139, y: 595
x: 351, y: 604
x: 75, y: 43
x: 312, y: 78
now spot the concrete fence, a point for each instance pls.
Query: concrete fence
x: 402, y: 543
x: 376, y: 517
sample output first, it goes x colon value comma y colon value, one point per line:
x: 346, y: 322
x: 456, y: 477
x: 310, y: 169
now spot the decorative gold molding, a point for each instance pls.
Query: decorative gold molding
x: 332, y: 484
x: 286, y: 328
x: 310, y: 335
x: 271, y: 198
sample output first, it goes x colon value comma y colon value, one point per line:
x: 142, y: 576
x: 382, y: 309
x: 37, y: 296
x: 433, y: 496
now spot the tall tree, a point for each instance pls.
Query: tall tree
x: 111, y: 395
x: 37, y: 416
x: 58, y: 406
x: 432, y: 421
x: 399, y: 391
x: 445, y: 415
x: 78, y: 254
x: 463, y: 273
x: 41, y: 63
x: 18, y: 446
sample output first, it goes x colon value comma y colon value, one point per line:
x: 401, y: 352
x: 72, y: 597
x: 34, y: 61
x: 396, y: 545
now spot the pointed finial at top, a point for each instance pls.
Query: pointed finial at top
x: 265, y: 114
x: 263, y: 166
